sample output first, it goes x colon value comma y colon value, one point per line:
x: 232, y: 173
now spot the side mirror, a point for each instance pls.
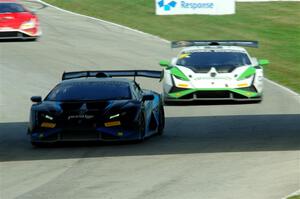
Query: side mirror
x: 36, y: 99
x: 164, y: 63
x: 148, y: 97
x: 263, y: 62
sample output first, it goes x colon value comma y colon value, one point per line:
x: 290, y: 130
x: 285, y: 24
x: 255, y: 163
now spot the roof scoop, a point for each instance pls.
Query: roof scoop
x: 102, y: 75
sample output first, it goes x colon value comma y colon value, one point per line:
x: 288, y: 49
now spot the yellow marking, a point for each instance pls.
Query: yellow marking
x: 110, y: 124
x: 48, y: 125
x: 183, y: 85
x: 243, y: 85
x: 185, y: 55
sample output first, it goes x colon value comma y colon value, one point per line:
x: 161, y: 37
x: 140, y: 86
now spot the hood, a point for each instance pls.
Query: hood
x: 219, y: 69
x: 99, y: 108
x: 14, y: 20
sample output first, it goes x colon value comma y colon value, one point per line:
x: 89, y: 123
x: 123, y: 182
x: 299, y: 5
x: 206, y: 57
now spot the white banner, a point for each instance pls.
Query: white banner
x: 205, y: 7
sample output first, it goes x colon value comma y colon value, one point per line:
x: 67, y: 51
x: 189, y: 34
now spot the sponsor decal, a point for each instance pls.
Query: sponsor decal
x: 209, y: 7
x: 167, y: 6
x: 48, y: 125
x: 81, y: 116
x: 197, y: 5
x: 111, y: 124
x: 212, y: 78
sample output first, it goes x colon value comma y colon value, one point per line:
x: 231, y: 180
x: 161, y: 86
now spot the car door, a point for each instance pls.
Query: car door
x: 147, y: 106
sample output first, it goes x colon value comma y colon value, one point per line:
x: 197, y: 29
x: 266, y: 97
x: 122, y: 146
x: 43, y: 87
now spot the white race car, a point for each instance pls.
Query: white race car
x: 213, y: 70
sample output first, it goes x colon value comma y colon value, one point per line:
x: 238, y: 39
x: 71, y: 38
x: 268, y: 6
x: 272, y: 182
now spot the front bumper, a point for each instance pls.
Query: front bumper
x: 69, y: 134
x: 19, y: 34
x: 187, y: 95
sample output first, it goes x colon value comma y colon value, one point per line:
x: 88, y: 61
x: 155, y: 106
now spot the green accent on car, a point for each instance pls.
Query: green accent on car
x: 165, y: 63
x: 247, y: 73
x: 263, y: 62
x: 244, y: 93
x: 180, y: 94
x: 178, y: 73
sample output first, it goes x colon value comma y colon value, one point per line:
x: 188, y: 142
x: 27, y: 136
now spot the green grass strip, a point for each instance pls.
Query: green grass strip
x: 294, y: 197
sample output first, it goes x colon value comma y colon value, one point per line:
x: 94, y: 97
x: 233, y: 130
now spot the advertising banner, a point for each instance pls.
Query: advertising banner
x: 202, y: 7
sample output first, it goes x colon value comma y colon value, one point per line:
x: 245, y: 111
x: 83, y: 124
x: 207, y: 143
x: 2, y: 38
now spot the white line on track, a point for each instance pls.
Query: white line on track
x: 157, y: 37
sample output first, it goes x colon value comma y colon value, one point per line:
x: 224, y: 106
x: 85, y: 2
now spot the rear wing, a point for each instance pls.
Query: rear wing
x: 112, y: 73
x: 188, y: 43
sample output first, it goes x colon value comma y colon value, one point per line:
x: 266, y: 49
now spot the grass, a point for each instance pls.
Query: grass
x: 294, y: 197
x: 275, y: 25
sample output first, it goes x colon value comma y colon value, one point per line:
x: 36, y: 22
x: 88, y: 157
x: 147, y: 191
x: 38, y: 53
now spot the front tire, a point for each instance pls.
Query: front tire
x: 142, y: 128
x: 38, y: 144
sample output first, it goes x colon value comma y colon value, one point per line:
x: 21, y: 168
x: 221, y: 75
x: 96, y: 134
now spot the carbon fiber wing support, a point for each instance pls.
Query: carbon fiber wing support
x: 188, y: 43
x: 112, y: 73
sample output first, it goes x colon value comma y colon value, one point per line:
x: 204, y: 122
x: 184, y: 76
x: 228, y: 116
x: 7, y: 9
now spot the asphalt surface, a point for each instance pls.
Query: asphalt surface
x: 217, y: 150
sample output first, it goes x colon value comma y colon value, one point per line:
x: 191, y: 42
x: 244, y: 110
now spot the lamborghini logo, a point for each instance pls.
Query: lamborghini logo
x: 213, y: 74
x: 83, y: 109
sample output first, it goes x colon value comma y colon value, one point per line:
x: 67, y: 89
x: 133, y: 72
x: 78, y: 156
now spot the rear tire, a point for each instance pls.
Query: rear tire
x: 161, y: 126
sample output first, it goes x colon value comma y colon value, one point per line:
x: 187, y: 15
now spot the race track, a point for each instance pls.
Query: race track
x: 208, y: 151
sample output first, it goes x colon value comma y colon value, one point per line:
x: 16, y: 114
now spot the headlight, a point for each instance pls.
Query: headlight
x: 117, y: 115
x: 48, y: 117
x: 114, y: 116
x: 28, y: 25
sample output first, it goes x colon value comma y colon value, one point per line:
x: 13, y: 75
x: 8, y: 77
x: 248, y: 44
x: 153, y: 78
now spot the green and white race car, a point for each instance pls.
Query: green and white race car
x: 213, y: 70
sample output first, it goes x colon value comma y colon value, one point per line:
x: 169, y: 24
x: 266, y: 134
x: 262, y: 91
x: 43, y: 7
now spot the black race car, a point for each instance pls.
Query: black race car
x: 93, y: 106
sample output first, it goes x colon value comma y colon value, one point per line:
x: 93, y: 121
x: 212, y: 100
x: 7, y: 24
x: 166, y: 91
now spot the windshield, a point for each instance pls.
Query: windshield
x: 73, y: 91
x: 11, y: 7
x: 213, y: 59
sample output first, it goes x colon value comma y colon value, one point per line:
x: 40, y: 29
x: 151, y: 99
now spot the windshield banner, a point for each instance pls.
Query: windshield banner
x: 203, y: 7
